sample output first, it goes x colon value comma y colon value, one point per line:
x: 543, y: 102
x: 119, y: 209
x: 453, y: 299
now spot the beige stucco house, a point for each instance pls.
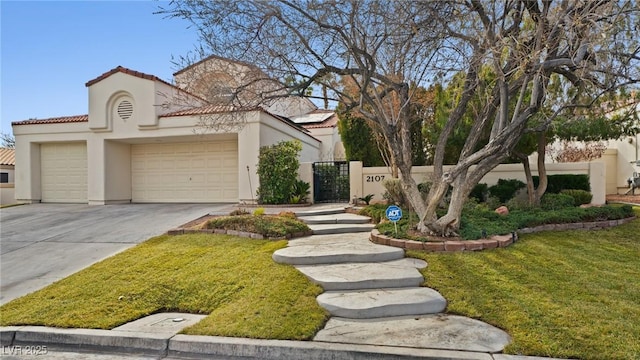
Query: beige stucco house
x: 7, y: 175
x: 147, y: 140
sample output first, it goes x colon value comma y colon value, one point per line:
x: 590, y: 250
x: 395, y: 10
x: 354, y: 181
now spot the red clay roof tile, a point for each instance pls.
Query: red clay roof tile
x: 7, y: 156
x: 53, y: 120
x: 330, y: 122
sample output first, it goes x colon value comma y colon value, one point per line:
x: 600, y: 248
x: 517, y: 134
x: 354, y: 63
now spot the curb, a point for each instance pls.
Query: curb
x: 197, y: 346
x: 217, y: 347
x: 87, y: 340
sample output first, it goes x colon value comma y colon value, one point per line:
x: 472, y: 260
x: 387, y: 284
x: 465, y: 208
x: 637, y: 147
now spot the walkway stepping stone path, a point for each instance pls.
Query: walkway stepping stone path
x: 334, y: 249
x: 373, y: 292
x: 438, y: 331
x: 377, y: 303
x: 335, y: 221
x: 354, y: 276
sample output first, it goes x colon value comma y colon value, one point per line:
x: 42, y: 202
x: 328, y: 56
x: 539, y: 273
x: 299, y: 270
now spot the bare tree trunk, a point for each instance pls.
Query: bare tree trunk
x: 542, y: 169
x: 531, y: 195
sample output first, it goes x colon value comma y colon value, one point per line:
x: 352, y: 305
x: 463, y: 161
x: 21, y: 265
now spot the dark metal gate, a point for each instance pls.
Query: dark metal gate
x: 331, y: 181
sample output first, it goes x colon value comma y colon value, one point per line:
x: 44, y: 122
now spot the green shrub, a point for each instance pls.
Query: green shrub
x: 300, y: 192
x: 557, y: 183
x: 480, y: 192
x: 580, y: 197
x: 394, y: 193
x: 375, y: 212
x: 277, y: 170
x: 520, y: 201
x: 556, y: 201
x: 506, y: 189
x: 366, y: 198
x: 268, y: 226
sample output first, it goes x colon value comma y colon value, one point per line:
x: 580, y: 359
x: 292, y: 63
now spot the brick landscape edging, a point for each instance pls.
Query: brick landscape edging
x: 244, y: 234
x: 495, y: 241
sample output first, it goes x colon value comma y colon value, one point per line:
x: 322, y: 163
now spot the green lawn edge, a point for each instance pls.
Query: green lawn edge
x: 233, y: 280
x: 569, y: 294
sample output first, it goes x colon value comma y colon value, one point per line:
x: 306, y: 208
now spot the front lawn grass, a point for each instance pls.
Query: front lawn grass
x: 234, y: 280
x: 571, y: 294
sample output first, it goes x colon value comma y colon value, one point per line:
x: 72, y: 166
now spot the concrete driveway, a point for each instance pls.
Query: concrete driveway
x: 43, y: 243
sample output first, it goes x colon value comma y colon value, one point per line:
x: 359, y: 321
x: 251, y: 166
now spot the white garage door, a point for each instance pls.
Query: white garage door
x: 63, y: 172
x: 185, y: 172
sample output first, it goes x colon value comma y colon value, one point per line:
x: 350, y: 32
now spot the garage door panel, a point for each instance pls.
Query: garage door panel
x: 64, y: 172
x: 185, y: 172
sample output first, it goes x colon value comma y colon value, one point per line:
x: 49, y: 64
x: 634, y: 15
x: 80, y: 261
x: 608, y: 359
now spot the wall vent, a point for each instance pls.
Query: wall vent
x: 125, y: 109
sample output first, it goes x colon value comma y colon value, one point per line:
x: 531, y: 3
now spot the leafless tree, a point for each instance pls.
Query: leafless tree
x: 7, y: 141
x: 383, y: 47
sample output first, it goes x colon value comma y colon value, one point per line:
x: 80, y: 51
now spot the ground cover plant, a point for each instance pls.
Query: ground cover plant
x: 570, y: 294
x: 266, y: 225
x: 234, y: 280
x: 478, y: 219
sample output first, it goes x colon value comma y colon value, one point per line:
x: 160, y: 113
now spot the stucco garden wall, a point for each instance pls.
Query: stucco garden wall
x: 368, y: 180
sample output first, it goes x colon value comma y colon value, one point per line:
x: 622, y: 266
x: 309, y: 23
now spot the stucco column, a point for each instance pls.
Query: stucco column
x: 248, y: 152
x: 598, y: 182
x: 305, y: 173
x: 355, y: 179
x: 117, y: 161
x: 96, y: 171
x: 27, y: 172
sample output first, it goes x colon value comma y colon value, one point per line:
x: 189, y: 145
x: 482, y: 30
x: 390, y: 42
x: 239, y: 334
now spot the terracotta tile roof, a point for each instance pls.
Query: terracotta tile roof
x: 202, y: 110
x: 7, y: 156
x: 330, y: 122
x: 138, y: 74
x: 218, y: 109
x: 54, y: 120
x: 124, y: 70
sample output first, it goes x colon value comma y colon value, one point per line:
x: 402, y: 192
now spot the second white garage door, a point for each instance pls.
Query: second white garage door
x: 185, y: 172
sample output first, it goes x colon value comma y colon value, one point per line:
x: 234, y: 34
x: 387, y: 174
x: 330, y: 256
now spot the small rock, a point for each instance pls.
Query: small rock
x: 502, y: 210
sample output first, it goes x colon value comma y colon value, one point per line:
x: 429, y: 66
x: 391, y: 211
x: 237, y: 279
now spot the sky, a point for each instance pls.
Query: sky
x: 50, y: 49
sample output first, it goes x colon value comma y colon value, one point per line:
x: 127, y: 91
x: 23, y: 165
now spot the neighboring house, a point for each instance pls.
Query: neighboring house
x: 143, y: 139
x: 7, y: 169
x: 621, y: 159
x: 323, y: 124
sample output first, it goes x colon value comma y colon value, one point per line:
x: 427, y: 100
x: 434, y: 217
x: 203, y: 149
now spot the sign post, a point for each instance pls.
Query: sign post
x: 394, y: 213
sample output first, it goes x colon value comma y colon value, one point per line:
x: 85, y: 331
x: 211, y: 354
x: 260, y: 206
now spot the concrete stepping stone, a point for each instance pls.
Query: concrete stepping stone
x: 331, y: 240
x: 380, y: 303
x: 319, y: 212
x: 322, y: 229
x: 356, y: 276
x: 332, y: 251
x: 447, y: 332
x: 345, y: 218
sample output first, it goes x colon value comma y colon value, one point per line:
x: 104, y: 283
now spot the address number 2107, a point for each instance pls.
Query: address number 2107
x: 375, y: 178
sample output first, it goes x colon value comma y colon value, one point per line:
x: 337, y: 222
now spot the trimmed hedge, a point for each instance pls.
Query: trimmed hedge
x: 506, y: 189
x: 557, y: 183
x: 580, y: 197
x: 556, y: 201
